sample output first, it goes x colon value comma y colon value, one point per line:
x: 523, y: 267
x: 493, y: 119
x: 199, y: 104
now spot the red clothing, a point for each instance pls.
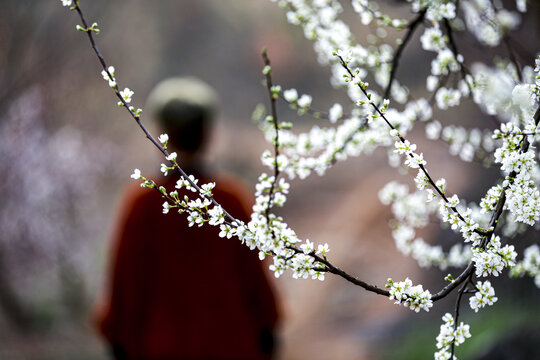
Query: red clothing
x: 181, y: 292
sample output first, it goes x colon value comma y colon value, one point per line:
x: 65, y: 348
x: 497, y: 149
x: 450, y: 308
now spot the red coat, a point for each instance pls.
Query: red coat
x: 181, y: 292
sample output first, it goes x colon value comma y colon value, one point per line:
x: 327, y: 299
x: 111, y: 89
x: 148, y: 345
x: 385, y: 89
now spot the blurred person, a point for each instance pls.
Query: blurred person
x: 180, y: 292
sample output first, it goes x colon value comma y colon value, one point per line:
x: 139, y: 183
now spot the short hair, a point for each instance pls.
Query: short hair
x: 185, y: 107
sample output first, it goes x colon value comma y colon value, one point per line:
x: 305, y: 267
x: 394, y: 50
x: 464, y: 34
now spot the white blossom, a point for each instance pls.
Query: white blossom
x: 447, y: 98
x: 166, y: 207
x: 433, y: 39
x: 448, y: 336
x: 290, y: 95
x: 206, y: 189
x: 110, y: 79
x: 126, y: 94
x: 494, y: 258
x: 163, y: 138
x: 485, y: 295
x: 335, y: 113
x: 304, y: 101
x: 136, y: 174
x: 217, y: 216
x: 413, y: 297
x: 171, y: 157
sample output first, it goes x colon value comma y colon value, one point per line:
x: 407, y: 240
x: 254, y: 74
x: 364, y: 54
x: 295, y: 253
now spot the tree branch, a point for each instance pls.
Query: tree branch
x: 397, y: 56
x: 456, y: 313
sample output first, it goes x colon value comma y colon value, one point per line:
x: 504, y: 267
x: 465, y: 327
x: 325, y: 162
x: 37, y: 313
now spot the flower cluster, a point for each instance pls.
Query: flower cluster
x: 449, y: 335
x: 462, y: 221
x: 413, y: 297
x: 447, y: 98
x: 485, y: 295
x: 108, y: 75
x: 530, y: 265
x: 265, y: 231
x: 272, y: 236
x: 125, y: 95
x: 413, y: 210
x: 414, y: 160
x: 537, y: 76
x: 521, y: 190
x: 494, y: 258
x: 302, y: 103
x: 489, y: 23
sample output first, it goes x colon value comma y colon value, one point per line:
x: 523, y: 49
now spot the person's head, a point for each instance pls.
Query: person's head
x: 185, y: 108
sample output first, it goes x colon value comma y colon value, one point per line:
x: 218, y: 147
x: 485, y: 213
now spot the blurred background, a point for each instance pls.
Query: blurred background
x: 67, y: 150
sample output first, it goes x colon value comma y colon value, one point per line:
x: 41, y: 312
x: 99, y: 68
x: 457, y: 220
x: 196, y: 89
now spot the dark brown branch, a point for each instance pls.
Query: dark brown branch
x: 453, y: 47
x: 459, y: 280
x: 513, y: 57
x: 339, y: 272
x: 269, y: 85
x: 397, y: 56
x: 456, y: 314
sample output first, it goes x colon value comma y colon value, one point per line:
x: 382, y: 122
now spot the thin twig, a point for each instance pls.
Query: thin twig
x: 453, y: 47
x: 316, y: 114
x: 459, y: 280
x: 456, y: 314
x: 397, y: 56
x: 402, y: 139
x: 269, y: 86
x: 339, y: 272
x: 513, y: 57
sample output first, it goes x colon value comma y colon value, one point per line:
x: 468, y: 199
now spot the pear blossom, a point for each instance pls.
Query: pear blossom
x: 485, y: 295
x: 291, y: 95
x: 335, y: 113
x: 166, y: 207
x: 171, y: 157
x: 413, y: 297
x: 110, y: 79
x: 136, y: 174
x: 163, y: 138
x: 304, y: 101
x: 126, y: 94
